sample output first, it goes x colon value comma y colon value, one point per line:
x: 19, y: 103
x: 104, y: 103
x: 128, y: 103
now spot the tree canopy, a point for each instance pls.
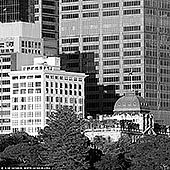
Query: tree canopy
x: 66, y: 145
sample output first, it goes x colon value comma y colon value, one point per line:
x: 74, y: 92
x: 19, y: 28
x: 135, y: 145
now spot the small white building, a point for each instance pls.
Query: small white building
x: 131, y: 115
x: 36, y: 90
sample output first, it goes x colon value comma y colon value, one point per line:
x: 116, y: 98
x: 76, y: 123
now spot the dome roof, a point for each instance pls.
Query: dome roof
x: 131, y: 102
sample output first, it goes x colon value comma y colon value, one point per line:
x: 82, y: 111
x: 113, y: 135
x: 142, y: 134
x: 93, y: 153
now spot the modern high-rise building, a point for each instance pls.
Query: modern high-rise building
x: 16, y: 10
x: 132, y: 41
x: 36, y: 90
x: 47, y: 15
x: 20, y: 42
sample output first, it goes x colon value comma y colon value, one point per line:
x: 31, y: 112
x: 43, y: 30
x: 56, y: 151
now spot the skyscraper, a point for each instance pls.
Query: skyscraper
x: 132, y: 41
x: 16, y: 10
x: 47, y: 14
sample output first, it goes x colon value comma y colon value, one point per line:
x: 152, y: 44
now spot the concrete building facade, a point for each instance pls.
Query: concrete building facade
x: 19, y: 44
x: 36, y: 90
x: 132, y: 43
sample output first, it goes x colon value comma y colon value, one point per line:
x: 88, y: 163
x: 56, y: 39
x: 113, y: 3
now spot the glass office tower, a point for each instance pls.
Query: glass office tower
x: 16, y: 10
x: 132, y: 41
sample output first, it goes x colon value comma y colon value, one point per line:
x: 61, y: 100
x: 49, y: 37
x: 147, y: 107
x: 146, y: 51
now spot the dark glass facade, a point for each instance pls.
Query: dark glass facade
x: 16, y: 10
x: 99, y: 99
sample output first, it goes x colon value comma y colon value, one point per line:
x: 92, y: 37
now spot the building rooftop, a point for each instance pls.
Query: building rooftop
x: 131, y: 102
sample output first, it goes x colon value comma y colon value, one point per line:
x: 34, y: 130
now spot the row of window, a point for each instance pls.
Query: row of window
x: 107, y: 38
x: 133, y: 86
x: 131, y: 53
x: 131, y: 12
x: 31, y: 44
x: 26, y: 122
x: 26, y: 114
x: 133, y: 78
x: 131, y: 36
x: 132, y: 28
x: 26, y: 99
x: 64, y: 85
x: 132, y: 45
x: 26, y: 107
x: 110, y: 71
x: 113, y: 62
x: 105, y: 13
x: 110, y: 5
x: 29, y: 91
x: 111, y: 54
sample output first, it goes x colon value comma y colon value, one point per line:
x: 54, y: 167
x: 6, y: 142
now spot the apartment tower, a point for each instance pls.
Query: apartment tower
x: 131, y: 40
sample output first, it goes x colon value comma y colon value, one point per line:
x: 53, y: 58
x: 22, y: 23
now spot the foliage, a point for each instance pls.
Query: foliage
x: 14, y: 138
x: 20, y: 149
x: 115, y: 155
x: 151, y: 153
x: 66, y: 145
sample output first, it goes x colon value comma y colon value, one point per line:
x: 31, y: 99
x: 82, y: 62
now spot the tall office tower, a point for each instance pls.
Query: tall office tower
x: 16, y: 10
x: 36, y: 90
x: 47, y: 14
x: 132, y: 40
x: 19, y: 43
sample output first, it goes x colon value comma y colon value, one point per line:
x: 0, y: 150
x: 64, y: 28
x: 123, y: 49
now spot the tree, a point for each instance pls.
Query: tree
x: 115, y: 155
x: 20, y: 149
x: 66, y: 145
x: 151, y: 153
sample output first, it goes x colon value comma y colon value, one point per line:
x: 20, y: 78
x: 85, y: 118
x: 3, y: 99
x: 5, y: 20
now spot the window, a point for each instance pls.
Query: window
x: 111, y: 79
x: 15, y: 85
x: 110, y: 71
x: 37, y: 106
x: 37, y: 114
x: 91, y: 47
x: 91, y: 14
x: 37, y: 84
x: 110, y: 5
x: 30, y: 99
x: 70, y: 16
x: 30, y: 106
x: 135, y: 70
x: 22, y: 84
x: 110, y: 13
x: 111, y: 54
x: 110, y: 46
x: 131, y: 12
x: 37, y: 98
x: 135, y: 61
x: 30, y: 91
x: 132, y: 45
x: 131, y: 3
x: 131, y: 28
x: 111, y: 38
x: 70, y: 8
x: 23, y: 91
x: 131, y: 36
x: 70, y: 40
x: 15, y: 91
x: 90, y: 6
x: 37, y: 90
x: 23, y: 99
x: 75, y: 48
x: 132, y: 53
x: 90, y: 39
x: 66, y: 1
x: 112, y: 62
